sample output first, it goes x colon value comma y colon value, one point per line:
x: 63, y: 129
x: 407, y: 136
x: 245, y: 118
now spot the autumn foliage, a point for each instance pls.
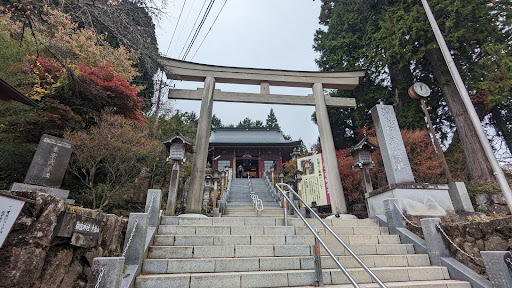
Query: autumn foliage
x: 107, y: 89
x: 425, y: 163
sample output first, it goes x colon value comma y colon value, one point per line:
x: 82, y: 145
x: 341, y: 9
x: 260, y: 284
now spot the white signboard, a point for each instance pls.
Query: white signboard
x: 9, y: 211
x: 313, y: 184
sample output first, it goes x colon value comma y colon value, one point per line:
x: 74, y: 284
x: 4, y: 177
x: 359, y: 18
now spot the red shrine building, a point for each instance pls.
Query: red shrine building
x: 256, y: 149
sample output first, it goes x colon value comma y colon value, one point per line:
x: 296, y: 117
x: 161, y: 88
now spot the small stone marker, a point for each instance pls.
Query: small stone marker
x: 50, y: 162
x: 394, y: 155
x: 9, y: 211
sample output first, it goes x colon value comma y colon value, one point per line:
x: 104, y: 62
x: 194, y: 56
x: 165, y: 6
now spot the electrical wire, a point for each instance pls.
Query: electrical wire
x: 175, y: 28
x: 209, y: 30
x: 193, y: 26
x: 208, y: 9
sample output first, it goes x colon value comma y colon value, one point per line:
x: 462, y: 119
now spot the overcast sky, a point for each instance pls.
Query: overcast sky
x: 273, y: 34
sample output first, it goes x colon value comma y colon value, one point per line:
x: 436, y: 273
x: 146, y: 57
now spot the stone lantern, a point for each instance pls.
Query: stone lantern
x: 208, y: 186
x: 216, y: 177
x: 223, y: 183
x: 177, y: 146
x: 361, y: 153
x: 295, y: 154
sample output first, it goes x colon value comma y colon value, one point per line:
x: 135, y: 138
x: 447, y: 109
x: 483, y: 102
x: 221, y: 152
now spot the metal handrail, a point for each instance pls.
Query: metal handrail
x: 258, y: 203
x: 290, y: 189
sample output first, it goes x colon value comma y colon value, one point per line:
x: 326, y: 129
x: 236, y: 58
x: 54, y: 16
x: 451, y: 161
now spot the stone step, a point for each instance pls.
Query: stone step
x: 242, y: 251
x: 210, y: 265
x: 277, y: 221
x: 242, y: 203
x: 209, y: 240
x: 408, y: 284
x: 290, y: 278
x: 249, y: 229
x: 252, y: 213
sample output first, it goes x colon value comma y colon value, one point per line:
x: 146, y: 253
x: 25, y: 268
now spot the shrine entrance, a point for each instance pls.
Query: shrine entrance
x: 209, y: 74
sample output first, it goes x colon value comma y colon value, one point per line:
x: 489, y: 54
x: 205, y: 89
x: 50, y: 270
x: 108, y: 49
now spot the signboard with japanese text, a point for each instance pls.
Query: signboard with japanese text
x: 314, y: 184
x: 9, y: 211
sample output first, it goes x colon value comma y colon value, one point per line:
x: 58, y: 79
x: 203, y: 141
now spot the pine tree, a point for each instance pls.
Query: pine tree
x: 271, y: 121
x: 216, y: 122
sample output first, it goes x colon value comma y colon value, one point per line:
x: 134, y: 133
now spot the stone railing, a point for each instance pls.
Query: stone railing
x: 120, y: 272
x: 498, y: 264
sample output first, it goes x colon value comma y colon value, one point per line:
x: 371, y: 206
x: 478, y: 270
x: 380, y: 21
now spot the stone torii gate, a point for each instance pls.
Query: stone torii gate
x: 209, y: 74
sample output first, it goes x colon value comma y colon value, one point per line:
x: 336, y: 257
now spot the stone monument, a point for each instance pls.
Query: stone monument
x: 48, y: 167
x: 414, y: 198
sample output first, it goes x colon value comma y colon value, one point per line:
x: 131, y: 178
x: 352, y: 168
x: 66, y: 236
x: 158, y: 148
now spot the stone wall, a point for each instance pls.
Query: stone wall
x: 472, y: 232
x: 32, y: 257
x: 490, y: 203
x: 479, y: 235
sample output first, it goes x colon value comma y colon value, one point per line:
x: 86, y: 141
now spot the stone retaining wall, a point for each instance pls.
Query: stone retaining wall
x: 473, y: 234
x: 32, y: 257
x: 476, y: 236
x: 490, y: 203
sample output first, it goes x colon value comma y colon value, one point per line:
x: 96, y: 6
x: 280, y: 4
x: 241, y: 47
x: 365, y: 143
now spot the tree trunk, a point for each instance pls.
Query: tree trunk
x: 477, y: 166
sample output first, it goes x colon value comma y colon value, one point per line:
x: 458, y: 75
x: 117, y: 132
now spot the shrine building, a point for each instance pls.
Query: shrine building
x: 256, y: 149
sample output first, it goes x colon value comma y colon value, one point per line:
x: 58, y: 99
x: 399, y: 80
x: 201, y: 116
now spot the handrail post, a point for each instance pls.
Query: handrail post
x: 319, y: 280
x: 498, y: 266
x: 434, y: 240
x: 106, y: 272
x: 285, y: 212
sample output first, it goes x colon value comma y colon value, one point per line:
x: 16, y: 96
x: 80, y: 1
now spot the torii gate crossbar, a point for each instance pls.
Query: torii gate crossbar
x: 209, y: 74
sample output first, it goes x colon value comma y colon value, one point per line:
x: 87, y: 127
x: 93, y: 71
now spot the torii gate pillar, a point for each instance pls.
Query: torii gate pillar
x: 195, y: 192
x: 334, y: 187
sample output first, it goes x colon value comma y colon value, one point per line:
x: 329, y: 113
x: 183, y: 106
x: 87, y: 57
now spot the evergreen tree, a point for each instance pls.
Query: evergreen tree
x: 271, y: 121
x: 393, y: 42
x: 216, y: 122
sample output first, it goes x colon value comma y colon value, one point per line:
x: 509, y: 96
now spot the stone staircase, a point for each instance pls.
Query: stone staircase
x: 262, y: 252
x: 240, y: 202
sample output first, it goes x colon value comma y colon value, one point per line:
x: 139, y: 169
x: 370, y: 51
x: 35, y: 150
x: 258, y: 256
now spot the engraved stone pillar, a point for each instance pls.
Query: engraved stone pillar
x: 334, y: 187
x: 195, y: 193
x: 394, y: 156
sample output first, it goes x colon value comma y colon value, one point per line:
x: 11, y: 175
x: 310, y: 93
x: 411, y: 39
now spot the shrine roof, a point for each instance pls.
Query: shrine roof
x: 251, y: 136
x: 8, y: 92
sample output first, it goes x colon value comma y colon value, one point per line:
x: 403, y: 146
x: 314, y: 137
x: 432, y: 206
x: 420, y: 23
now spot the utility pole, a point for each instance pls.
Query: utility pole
x: 500, y: 177
x: 161, y: 85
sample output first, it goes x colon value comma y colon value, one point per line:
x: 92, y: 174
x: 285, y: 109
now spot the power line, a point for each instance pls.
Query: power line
x: 208, y: 9
x: 175, y: 28
x: 209, y: 30
x: 189, y: 34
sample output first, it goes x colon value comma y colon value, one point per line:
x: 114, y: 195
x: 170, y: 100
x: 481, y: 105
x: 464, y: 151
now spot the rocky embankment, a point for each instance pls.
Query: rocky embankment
x: 33, y: 257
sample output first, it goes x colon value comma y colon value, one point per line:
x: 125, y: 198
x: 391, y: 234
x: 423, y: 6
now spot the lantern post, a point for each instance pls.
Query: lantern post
x: 177, y: 146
